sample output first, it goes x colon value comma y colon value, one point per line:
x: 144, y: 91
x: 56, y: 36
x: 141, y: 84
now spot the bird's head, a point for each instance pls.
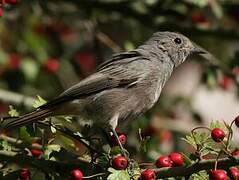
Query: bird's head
x: 176, y: 46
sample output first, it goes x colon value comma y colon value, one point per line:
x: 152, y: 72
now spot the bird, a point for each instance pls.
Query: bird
x: 122, y: 88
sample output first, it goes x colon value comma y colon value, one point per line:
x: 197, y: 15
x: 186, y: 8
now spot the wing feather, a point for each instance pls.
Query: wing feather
x: 110, y: 75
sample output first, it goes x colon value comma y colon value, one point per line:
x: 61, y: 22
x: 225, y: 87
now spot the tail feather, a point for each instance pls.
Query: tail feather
x: 26, y: 119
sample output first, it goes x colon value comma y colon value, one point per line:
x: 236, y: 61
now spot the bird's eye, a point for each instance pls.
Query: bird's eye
x: 177, y: 40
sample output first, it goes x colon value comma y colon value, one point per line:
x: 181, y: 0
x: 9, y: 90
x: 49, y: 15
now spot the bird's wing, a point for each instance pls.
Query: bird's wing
x: 111, y: 75
x: 119, y: 59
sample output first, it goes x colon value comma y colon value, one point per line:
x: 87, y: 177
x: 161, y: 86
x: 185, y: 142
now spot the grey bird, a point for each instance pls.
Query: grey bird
x: 122, y: 88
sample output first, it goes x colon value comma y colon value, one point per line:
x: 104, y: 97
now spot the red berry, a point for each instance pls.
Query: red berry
x: 11, y: 1
x: 36, y: 152
x: 237, y: 121
x: 226, y: 83
x: 122, y: 139
x: 217, y: 134
x: 1, y: 11
x: 235, y: 153
x: 164, y: 161
x: 148, y: 174
x: 176, y: 158
x: 120, y: 163
x: 234, y: 173
x: 24, y: 174
x: 76, y: 174
x: 218, y: 174
x: 86, y: 60
x: 199, y: 18
x: 52, y: 65
x: 14, y: 61
x: 235, y: 70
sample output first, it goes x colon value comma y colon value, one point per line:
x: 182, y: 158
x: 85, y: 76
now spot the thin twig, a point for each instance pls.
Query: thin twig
x: 19, y: 143
x: 68, y: 133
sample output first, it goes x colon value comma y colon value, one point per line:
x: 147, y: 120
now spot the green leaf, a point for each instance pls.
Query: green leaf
x: 30, y: 69
x: 118, y: 175
x: 217, y: 9
x: 197, y: 138
x: 5, y: 146
x: 39, y: 102
x: 51, y: 148
x: 129, y: 46
x: 103, y: 161
x: 115, y: 150
x: 187, y: 160
x: 24, y: 135
x: 218, y: 124
x: 133, y: 169
x: 190, y: 140
x: 13, y: 112
x: 202, y: 175
x: 65, y: 118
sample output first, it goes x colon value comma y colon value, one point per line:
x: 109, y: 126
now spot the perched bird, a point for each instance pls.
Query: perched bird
x: 122, y: 88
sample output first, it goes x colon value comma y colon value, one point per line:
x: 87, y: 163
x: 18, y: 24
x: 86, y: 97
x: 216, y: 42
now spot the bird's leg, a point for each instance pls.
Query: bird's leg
x: 113, y: 124
x: 118, y: 141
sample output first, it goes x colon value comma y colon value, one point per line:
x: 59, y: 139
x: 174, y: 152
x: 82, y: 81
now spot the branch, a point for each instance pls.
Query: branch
x: 48, y: 166
x: 15, y: 98
x: 19, y: 143
x: 224, y: 163
x: 68, y: 133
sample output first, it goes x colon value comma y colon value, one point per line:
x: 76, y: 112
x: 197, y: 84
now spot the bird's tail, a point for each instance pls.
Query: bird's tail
x: 10, y: 123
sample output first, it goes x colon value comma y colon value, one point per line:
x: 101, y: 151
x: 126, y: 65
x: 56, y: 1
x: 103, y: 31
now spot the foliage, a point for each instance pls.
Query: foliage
x: 46, y: 46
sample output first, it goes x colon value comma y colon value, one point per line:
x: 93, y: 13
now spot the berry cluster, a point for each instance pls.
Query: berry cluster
x: 174, y: 159
x: 218, y: 135
x: 220, y: 174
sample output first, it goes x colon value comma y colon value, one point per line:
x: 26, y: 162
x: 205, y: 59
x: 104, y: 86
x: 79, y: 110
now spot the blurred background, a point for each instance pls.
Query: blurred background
x: 46, y: 46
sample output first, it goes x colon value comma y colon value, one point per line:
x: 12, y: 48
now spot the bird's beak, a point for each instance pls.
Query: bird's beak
x: 198, y: 50
x: 205, y: 54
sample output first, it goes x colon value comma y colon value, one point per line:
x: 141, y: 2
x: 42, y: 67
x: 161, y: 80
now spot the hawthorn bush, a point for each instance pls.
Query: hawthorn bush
x: 215, y: 156
x: 46, y: 46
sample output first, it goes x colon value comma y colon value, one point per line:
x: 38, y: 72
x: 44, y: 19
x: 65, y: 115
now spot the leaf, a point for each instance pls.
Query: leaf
x: 202, y: 175
x: 30, y: 68
x: 4, y: 145
x: 190, y: 140
x: 13, y: 112
x: 115, y: 150
x: 197, y: 138
x: 65, y: 118
x: 202, y: 142
x: 51, y: 148
x: 133, y: 169
x: 187, y: 160
x: 217, y: 9
x: 39, y: 102
x: 53, y: 130
x: 129, y: 46
x: 103, y: 161
x: 118, y: 175
x: 24, y: 135
x: 217, y: 124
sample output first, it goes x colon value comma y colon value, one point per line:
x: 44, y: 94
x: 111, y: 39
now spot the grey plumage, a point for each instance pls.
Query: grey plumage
x: 123, y: 87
